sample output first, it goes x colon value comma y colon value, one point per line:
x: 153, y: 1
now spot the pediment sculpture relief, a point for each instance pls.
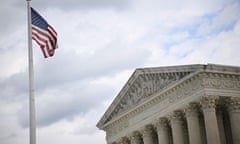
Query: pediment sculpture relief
x: 145, y: 86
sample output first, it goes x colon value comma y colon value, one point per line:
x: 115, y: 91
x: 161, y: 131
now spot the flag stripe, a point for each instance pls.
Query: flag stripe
x: 44, y: 34
x: 42, y: 43
x: 52, y: 29
x: 41, y: 46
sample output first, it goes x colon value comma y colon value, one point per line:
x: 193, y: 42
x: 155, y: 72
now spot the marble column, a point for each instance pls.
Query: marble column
x: 136, y: 138
x: 163, y: 131
x: 148, y: 135
x: 234, y: 115
x: 210, y: 119
x: 192, y: 117
x: 177, y: 127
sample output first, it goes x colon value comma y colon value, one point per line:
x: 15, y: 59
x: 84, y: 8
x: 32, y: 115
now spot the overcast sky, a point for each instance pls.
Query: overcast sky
x: 101, y: 43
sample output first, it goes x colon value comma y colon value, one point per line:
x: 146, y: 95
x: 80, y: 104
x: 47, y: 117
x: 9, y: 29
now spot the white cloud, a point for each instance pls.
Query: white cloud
x: 222, y: 20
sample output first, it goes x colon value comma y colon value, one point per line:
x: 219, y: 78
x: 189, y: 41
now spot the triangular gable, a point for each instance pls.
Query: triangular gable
x: 143, y: 84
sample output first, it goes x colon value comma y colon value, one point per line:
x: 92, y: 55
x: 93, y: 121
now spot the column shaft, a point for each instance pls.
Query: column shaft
x: 163, y: 131
x: 211, y: 125
x: 177, y: 128
x: 234, y: 115
x: 194, y: 131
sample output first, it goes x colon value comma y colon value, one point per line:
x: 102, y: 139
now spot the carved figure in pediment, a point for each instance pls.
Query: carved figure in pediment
x: 143, y: 87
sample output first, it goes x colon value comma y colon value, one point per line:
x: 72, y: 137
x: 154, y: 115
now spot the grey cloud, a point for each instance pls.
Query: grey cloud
x: 67, y: 5
x: 12, y: 16
x: 65, y: 103
x: 71, y: 66
x: 62, y: 84
x: 15, y: 87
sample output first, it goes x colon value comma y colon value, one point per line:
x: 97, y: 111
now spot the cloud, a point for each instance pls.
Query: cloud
x: 11, y: 17
x: 222, y: 20
x: 66, y: 101
x: 67, y: 132
x: 68, y: 5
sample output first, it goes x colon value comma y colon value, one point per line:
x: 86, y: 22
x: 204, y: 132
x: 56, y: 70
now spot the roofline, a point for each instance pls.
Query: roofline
x: 167, y: 69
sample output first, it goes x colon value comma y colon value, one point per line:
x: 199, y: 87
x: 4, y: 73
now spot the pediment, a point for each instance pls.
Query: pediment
x: 142, y: 85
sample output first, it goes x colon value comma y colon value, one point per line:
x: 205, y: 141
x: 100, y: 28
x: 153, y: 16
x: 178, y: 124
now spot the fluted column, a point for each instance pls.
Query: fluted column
x: 210, y: 119
x: 148, y: 136
x: 136, y: 138
x: 163, y: 131
x: 234, y: 115
x: 194, y: 131
x: 177, y: 128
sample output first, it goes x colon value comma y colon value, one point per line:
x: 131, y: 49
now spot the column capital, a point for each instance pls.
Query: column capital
x: 135, y: 137
x: 192, y: 109
x: 162, y: 123
x: 209, y: 102
x: 148, y: 134
x: 135, y: 133
x: 176, y: 115
x: 233, y: 104
x: 147, y: 130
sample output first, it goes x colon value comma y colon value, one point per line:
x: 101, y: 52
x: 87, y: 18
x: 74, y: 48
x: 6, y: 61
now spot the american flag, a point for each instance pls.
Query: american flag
x: 43, y: 34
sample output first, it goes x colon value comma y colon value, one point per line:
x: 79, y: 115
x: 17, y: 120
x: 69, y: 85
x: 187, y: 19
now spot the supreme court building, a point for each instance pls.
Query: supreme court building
x: 189, y: 104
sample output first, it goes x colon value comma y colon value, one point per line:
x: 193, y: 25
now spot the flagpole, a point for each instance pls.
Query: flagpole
x: 32, y: 119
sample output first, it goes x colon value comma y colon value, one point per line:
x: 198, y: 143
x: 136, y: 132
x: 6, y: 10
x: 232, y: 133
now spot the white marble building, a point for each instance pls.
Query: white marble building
x: 190, y: 104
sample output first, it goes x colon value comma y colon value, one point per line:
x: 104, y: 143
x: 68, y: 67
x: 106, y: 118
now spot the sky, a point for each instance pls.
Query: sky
x: 101, y: 43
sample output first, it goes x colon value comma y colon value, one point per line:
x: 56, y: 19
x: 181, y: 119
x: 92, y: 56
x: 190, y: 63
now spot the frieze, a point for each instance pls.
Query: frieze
x: 208, y: 80
x: 220, y: 81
